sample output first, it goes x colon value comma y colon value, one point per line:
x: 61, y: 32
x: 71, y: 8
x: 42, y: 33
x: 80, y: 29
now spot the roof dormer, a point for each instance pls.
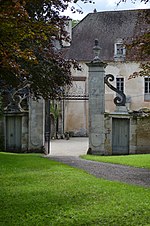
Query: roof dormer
x: 119, y: 50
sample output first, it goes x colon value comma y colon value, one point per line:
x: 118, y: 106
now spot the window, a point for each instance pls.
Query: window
x: 120, y: 84
x: 119, y: 50
x: 147, y: 89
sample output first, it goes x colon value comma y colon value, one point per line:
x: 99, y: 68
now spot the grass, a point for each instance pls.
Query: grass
x: 36, y: 191
x: 141, y: 161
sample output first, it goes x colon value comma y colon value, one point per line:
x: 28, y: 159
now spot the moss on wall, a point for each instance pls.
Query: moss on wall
x: 143, y: 135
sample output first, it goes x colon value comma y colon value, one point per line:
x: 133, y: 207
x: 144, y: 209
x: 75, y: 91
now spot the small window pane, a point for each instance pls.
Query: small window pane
x: 119, y: 49
x: 120, y: 84
x: 147, y: 89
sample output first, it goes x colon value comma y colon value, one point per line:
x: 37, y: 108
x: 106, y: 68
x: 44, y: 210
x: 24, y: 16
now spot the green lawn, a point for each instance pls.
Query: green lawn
x: 142, y: 161
x: 35, y: 191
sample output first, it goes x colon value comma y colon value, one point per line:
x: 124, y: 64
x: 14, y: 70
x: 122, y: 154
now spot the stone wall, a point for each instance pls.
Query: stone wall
x: 139, y: 133
x: 29, y: 134
x: 36, y: 125
x: 143, y: 135
x: 25, y: 134
x: 133, y: 135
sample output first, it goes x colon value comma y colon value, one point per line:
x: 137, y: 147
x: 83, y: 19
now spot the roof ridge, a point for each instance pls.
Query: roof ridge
x: 122, y: 10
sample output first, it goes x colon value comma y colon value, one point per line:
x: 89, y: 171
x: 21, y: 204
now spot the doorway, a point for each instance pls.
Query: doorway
x: 120, y: 136
x: 13, y: 133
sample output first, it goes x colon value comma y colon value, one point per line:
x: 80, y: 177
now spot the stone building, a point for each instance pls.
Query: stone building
x: 113, y: 30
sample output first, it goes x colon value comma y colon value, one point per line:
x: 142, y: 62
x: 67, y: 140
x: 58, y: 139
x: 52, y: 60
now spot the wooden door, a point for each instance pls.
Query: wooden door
x: 13, y: 133
x: 120, y: 136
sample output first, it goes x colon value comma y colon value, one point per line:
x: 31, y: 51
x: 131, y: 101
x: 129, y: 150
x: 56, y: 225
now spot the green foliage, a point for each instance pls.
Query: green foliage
x: 37, y: 191
x: 75, y: 22
x: 142, y: 161
x: 55, y: 110
x: 144, y: 72
x: 138, y: 47
x: 29, y: 51
x: 145, y: 69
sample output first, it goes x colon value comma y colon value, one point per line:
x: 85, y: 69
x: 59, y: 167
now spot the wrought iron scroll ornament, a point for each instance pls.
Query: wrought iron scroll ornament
x: 16, y: 96
x: 119, y: 100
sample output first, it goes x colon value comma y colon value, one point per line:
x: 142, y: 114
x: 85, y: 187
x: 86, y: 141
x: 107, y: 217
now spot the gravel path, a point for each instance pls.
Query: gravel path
x: 112, y: 172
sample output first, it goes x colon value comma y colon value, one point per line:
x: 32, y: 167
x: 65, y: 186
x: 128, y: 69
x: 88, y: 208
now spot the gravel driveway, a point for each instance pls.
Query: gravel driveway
x: 112, y: 172
x: 68, y: 152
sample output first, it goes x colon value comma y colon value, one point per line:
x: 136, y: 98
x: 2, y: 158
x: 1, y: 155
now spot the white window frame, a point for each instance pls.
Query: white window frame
x: 120, y: 84
x: 119, y: 50
x: 147, y: 89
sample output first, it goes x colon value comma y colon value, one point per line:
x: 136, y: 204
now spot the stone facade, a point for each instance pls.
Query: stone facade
x: 24, y: 131
x: 113, y: 29
x: 76, y: 112
x: 139, y: 134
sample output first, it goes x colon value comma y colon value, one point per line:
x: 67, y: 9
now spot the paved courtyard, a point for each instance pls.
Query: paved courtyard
x: 73, y: 147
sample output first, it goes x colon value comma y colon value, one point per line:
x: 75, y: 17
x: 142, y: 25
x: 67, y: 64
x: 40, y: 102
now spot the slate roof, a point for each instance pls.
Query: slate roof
x: 106, y: 27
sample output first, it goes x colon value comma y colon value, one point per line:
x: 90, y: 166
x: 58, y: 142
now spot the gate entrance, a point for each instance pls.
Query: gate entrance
x: 120, y: 136
x: 13, y: 133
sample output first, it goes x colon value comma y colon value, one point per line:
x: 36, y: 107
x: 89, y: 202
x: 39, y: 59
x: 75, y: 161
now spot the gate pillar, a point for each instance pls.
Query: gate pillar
x: 36, y: 125
x: 96, y: 90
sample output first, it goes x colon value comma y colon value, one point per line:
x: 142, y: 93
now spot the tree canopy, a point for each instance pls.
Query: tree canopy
x: 28, y: 51
x: 29, y: 35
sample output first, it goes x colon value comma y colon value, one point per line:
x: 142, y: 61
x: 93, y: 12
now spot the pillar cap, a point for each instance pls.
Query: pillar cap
x: 96, y: 64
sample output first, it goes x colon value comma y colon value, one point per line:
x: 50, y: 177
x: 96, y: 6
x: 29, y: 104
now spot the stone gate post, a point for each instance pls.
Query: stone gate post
x: 36, y: 125
x: 96, y: 90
